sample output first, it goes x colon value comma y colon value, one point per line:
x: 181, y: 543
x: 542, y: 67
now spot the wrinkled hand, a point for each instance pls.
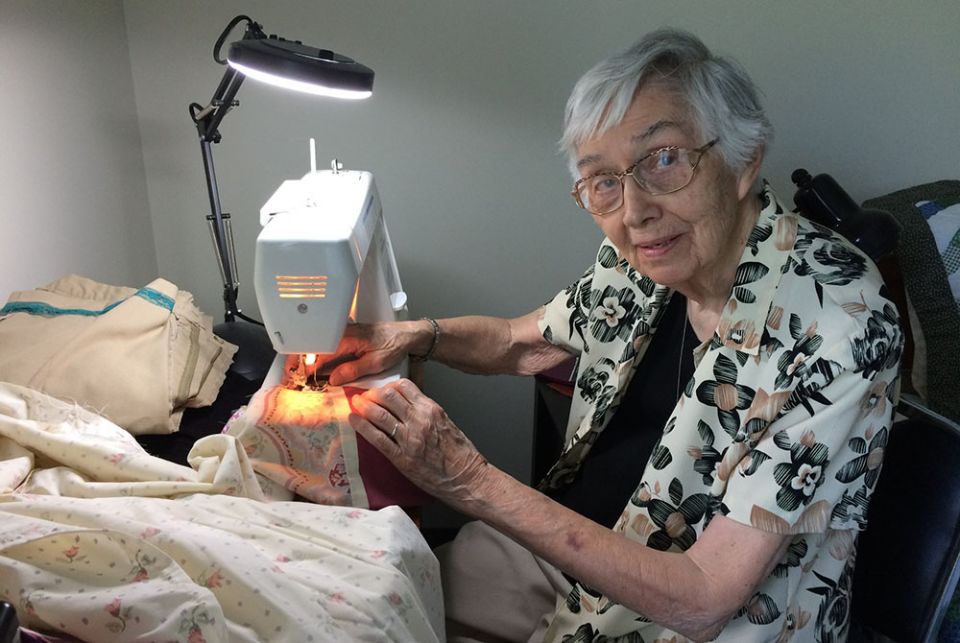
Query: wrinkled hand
x: 418, y: 437
x: 365, y: 349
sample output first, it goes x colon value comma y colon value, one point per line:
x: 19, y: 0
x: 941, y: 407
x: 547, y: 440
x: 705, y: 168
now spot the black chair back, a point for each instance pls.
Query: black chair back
x: 907, y: 559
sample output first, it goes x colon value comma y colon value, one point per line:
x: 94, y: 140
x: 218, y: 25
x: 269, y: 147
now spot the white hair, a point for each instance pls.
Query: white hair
x: 722, y: 99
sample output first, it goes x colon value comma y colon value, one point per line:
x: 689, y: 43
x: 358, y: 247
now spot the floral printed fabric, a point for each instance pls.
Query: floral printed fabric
x: 101, y: 541
x: 215, y: 569
x: 782, y: 426
x: 48, y: 446
x: 299, y: 442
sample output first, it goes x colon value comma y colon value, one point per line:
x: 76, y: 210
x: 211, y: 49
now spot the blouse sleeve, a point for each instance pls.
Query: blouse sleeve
x: 815, y: 467
x: 565, y: 317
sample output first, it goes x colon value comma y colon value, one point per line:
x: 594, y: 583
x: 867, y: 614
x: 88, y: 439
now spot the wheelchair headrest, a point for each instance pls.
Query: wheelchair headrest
x: 821, y: 199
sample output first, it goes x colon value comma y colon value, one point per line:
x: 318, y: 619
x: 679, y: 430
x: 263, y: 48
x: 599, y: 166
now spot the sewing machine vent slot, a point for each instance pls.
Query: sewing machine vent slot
x: 302, y: 286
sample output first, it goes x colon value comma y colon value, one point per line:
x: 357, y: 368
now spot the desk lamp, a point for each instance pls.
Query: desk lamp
x: 283, y: 63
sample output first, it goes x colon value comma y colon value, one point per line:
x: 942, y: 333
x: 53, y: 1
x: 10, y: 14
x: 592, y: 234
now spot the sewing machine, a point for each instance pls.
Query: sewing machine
x: 323, y: 260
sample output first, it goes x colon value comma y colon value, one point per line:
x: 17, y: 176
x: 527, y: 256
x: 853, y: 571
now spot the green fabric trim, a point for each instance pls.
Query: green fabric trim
x: 46, y: 310
x: 156, y: 297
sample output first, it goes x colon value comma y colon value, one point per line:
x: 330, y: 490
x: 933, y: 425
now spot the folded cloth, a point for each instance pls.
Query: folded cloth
x: 135, y: 356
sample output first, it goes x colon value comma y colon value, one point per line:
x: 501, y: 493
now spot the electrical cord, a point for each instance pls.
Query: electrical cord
x: 226, y: 32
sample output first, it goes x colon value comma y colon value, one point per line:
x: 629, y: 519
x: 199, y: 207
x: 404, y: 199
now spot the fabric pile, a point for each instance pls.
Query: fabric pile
x: 101, y: 541
x: 137, y: 356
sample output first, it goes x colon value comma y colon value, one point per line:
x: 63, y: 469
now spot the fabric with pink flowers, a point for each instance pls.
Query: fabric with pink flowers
x: 99, y: 541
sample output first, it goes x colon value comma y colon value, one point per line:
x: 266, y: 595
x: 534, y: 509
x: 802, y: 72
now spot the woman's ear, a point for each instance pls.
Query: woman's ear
x: 748, y: 176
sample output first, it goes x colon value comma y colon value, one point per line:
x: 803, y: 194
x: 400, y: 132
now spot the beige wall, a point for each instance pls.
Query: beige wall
x: 73, y: 194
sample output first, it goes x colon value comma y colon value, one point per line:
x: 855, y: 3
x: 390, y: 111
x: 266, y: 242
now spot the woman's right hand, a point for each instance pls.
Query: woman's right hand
x: 368, y: 349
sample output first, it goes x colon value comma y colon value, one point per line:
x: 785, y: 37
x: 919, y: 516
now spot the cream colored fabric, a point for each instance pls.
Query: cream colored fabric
x: 135, y: 356
x: 300, y: 443
x: 103, y: 542
x: 53, y: 447
x: 494, y: 590
x: 216, y: 568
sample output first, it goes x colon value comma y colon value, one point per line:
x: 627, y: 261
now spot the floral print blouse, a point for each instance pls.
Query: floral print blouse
x: 782, y: 426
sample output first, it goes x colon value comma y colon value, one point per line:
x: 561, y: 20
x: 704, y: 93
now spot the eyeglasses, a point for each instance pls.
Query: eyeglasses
x: 662, y: 171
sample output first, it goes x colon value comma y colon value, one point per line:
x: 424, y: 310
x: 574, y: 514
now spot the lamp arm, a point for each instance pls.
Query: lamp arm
x: 207, y: 120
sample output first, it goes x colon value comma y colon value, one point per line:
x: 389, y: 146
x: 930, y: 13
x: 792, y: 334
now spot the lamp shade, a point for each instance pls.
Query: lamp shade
x: 290, y: 64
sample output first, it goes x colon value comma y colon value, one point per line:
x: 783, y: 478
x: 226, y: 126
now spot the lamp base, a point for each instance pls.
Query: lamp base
x: 255, y: 353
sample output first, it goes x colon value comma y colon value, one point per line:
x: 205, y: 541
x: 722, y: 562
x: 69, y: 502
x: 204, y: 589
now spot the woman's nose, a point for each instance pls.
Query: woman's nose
x: 638, y: 206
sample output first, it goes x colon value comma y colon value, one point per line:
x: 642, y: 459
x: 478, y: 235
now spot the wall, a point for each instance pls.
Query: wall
x: 461, y: 131
x: 73, y: 193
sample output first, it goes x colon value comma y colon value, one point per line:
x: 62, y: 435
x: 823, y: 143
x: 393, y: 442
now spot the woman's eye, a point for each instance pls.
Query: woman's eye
x: 662, y: 160
x: 604, y: 183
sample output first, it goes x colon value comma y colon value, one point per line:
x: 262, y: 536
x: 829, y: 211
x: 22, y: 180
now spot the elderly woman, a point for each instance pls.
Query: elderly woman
x: 737, y: 366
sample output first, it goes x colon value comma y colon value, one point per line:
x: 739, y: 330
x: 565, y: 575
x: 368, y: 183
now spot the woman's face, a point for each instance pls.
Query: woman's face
x: 682, y: 239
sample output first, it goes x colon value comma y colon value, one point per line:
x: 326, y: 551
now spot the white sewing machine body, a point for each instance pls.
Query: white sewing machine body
x: 323, y: 259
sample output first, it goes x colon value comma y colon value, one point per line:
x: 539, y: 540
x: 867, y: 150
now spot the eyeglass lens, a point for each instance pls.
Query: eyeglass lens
x: 664, y: 171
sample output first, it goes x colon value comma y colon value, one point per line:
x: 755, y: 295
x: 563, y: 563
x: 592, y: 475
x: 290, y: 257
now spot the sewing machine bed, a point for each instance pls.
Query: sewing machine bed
x: 103, y: 541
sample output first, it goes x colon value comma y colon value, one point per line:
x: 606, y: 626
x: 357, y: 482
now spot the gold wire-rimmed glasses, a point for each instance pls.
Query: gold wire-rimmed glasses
x: 663, y: 171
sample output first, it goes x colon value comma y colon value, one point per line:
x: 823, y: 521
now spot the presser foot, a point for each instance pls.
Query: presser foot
x: 299, y: 378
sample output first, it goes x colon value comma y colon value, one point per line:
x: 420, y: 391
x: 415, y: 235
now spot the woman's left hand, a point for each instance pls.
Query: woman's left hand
x: 418, y: 437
